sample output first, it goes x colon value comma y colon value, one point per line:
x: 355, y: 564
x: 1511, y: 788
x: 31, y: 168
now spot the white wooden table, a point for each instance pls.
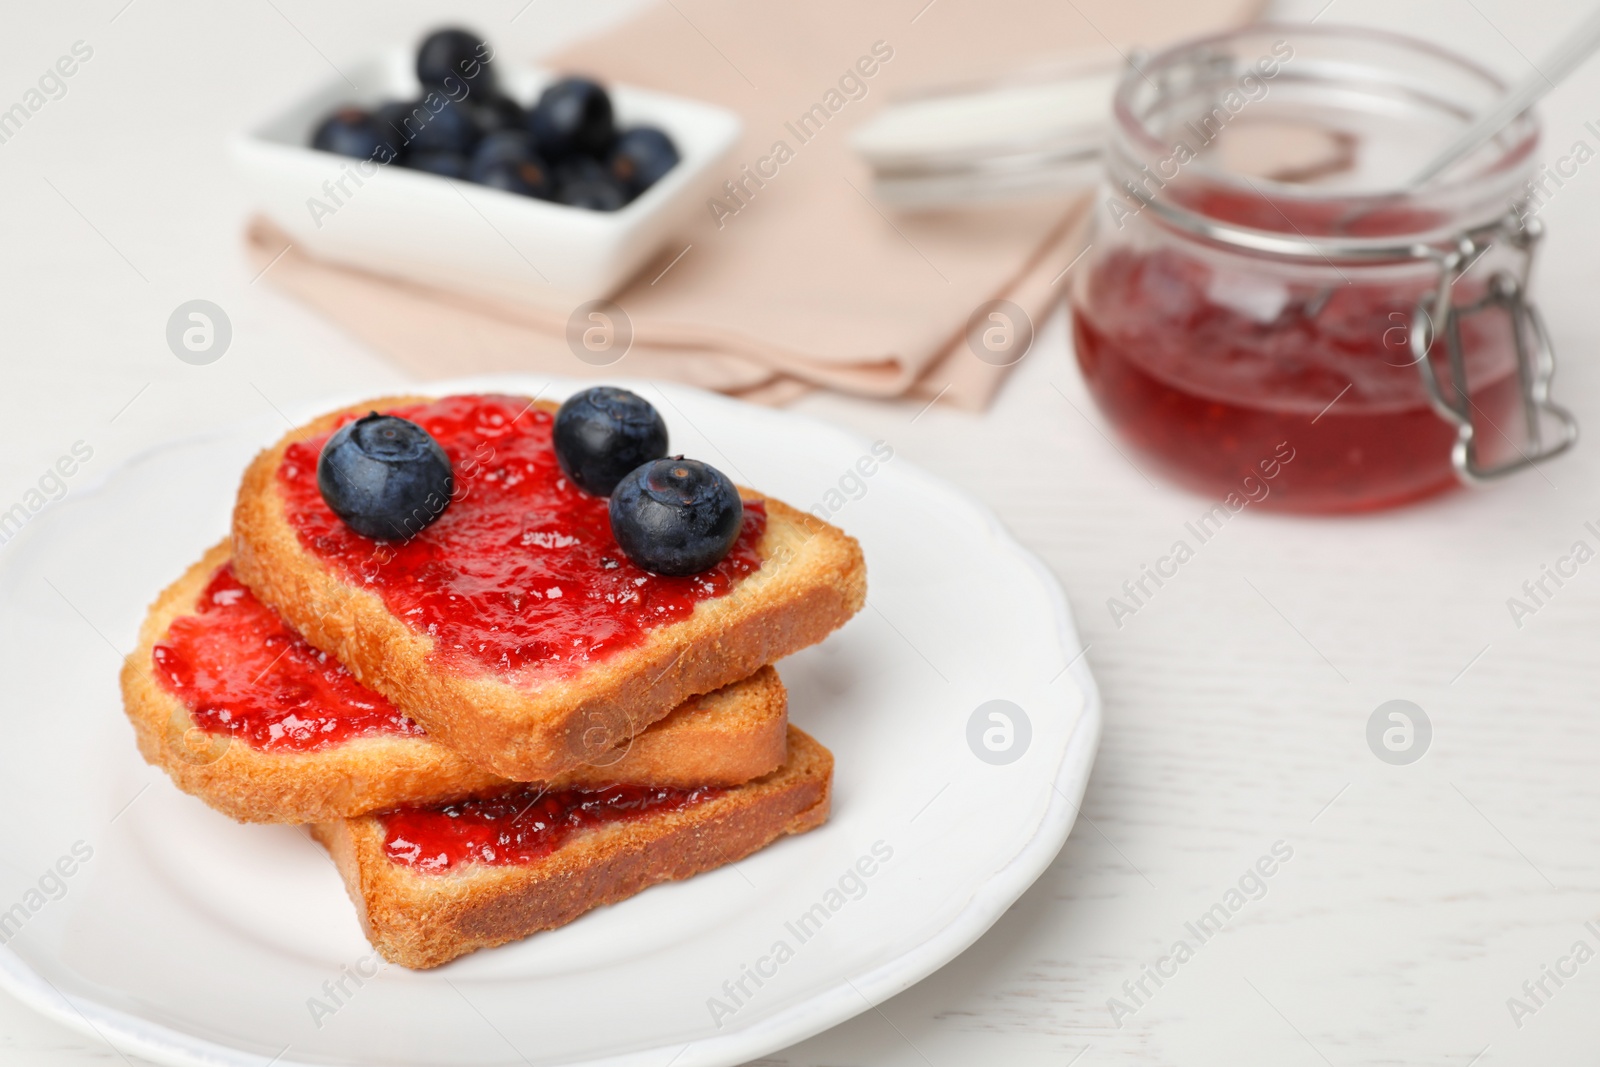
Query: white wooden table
x: 1416, y: 900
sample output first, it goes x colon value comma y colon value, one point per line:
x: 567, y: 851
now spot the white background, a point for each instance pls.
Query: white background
x: 1418, y: 898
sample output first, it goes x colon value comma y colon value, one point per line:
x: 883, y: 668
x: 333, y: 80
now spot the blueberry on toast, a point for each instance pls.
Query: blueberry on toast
x: 505, y: 619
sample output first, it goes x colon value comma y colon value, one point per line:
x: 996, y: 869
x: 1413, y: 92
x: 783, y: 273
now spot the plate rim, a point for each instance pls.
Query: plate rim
x: 822, y: 1010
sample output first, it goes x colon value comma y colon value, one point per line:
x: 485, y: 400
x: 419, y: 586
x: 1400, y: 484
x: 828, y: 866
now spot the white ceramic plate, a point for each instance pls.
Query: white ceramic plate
x: 457, y: 235
x: 189, y: 939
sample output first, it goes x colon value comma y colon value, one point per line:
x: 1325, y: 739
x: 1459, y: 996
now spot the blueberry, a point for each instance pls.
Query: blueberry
x: 676, y: 516
x: 349, y: 131
x: 640, y: 157
x: 583, y: 182
x: 501, y: 113
x: 603, y: 433
x: 451, y: 57
x: 506, y: 160
x: 395, y: 123
x: 501, y: 146
x: 439, y: 124
x: 572, y: 117
x: 444, y: 164
x: 386, y: 477
x: 525, y: 177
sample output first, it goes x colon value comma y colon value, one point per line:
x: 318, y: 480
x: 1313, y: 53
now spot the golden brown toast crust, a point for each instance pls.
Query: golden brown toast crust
x: 724, y: 738
x: 813, y: 579
x: 423, y: 920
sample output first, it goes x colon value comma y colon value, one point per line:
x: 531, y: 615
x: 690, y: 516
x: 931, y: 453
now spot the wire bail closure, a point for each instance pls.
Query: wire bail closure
x: 1507, y: 290
x: 1536, y: 361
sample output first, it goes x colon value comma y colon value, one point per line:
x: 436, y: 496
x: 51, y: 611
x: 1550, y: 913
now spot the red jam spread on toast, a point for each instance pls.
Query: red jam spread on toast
x: 520, y: 573
x: 242, y: 672
x: 517, y: 827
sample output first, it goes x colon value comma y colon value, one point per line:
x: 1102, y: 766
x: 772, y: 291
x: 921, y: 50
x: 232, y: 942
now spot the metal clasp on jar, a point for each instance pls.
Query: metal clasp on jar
x: 1536, y: 363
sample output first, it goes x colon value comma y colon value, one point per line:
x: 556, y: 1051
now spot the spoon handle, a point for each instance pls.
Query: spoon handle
x: 1576, y: 47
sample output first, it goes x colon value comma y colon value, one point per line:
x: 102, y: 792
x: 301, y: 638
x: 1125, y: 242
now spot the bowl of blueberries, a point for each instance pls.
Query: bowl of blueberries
x: 451, y: 167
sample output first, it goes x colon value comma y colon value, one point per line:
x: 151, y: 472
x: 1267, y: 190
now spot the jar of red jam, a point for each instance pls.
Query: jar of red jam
x: 1267, y: 309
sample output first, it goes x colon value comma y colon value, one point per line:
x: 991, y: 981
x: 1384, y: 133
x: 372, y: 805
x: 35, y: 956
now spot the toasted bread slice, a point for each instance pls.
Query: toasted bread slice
x: 724, y: 738
x: 423, y: 919
x: 527, y: 726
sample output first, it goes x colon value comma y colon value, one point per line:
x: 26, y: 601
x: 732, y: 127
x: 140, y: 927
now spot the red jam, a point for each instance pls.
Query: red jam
x: 1331, y: 217
x: 519, y: 826
x: 1215, y: 387
x: 242, y: 672
x: 520, y: 572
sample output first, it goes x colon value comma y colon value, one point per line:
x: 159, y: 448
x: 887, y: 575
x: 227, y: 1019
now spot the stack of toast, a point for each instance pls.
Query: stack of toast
x: 498, y: 721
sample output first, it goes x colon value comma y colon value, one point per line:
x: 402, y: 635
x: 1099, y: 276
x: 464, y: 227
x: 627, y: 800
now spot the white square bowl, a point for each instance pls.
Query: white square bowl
x: 466, y: 237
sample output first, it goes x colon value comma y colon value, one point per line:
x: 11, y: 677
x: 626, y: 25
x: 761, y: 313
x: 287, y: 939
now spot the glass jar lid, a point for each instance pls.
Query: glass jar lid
x: 1298, y: 141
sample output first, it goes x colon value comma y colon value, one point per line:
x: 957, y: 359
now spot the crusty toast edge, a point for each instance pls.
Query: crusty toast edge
x: 723, y: 738
x: 813, y: 581
x: 421, y: 920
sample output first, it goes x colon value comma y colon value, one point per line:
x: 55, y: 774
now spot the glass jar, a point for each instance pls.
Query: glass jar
x: 1259, y: 302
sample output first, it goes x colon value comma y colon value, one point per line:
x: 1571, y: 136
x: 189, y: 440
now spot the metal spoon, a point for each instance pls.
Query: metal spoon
x: 1561, y: 61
